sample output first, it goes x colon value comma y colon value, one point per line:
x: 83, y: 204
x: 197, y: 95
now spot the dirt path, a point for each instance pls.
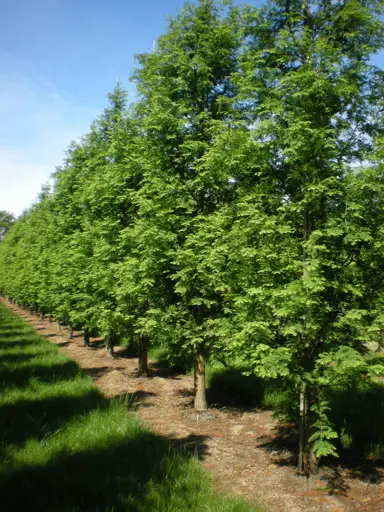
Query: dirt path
x: 238, y: 447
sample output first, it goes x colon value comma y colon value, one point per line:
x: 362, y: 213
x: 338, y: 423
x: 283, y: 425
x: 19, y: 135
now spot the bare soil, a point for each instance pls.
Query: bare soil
x: 248, y: 452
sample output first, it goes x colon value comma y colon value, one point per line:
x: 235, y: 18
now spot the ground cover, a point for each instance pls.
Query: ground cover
x: 248, y: 452
x: 67, y: 447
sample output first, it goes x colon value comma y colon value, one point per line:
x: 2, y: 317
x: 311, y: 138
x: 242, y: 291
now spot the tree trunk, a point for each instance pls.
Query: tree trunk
x: 110, y: 341
x: 307, y: 458
x: 143, y: 357
x: 70, y: 331
x: 303, y: 422
x: 302, y: 426
x: 199, y: 378
x: 58, y: 325
x: 86, y: 337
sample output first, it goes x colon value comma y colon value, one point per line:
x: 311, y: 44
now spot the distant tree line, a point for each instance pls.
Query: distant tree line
x: 236, y: 208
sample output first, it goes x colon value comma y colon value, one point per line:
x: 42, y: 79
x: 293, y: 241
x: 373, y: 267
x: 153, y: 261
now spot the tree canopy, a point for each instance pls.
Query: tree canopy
x: 236, y: 208
x: 6, y: 221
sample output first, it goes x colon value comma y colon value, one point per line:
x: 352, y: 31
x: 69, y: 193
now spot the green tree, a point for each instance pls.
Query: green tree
x: 185, y: 93
x: 6, y: 221
x: 313, y: 106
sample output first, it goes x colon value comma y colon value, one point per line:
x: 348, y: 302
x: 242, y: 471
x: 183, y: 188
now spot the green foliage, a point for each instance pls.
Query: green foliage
x: 236, y: 208
x: 6, y: 221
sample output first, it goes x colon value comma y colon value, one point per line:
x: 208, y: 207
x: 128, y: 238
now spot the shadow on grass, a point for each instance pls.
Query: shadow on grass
x: 21, y: 343
x: 137, y: 399
x: 87, y: 453
x: 22, y: 335
x: 135, y: 475
x: 21, y: 358
x: 230, y: 388
x: 52, y: 372
x: 30, y: 418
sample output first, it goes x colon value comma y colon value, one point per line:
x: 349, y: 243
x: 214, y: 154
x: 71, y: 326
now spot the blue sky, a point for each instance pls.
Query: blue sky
x: 58, y: 60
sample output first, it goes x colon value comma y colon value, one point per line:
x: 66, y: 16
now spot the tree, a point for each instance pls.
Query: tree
x: 186, y: 94
x: 6, y: 221
x: 313, y: 108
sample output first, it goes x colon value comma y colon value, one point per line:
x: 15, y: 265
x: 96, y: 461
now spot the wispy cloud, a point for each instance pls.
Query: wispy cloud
x: 37, y: 122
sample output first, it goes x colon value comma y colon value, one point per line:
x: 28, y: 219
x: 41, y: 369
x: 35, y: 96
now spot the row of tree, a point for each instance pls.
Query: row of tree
x: 235, y: 208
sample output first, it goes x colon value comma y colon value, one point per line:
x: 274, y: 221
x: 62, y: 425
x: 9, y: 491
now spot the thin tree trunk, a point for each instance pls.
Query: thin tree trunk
x: 303, y: 433
x: 58, y: 325
x: 303, y: 427
x: 110, y: 341
x: 199, y: 378
x: 110, y: 352
x: 143, y: 357
x: 70, y: 331
x: 86, y: 337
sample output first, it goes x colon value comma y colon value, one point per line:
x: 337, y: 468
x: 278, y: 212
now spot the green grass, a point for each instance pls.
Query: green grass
x: 357, y: 411
x: 64, y: 447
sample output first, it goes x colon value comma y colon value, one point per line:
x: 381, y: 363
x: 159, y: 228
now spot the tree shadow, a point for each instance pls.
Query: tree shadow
x: 163, y: 370
x: 9, y: 333
x: 357, y: 415
x: 37, y: 419
x: 48, y: 335
x: 21, y: 376
x: 99, y: 371
x: 15, y: 358
x: 130, y: 475
x: 231, y: 389
x: 137, y: 399
x: 282, y: 445
x: 20, y: 343
x: 124, y: 472
x: 63, y: 343
x: 192, y: 445
x: 99, y: 343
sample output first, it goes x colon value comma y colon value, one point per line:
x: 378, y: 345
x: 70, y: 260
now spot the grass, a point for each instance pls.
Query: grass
x: 64, y: 447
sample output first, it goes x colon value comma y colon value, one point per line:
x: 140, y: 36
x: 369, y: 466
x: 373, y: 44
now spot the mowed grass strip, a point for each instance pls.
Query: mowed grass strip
x: 65, y: 447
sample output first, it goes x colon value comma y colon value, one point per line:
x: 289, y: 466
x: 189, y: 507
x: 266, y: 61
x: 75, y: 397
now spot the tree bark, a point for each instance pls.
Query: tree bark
x: 199, y: 379
x: 303, y: 422
x: 86, y: 337
x: 143, y: 357
x: 303, y: 429
x: 110, y: 341
x: 70, y: 331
